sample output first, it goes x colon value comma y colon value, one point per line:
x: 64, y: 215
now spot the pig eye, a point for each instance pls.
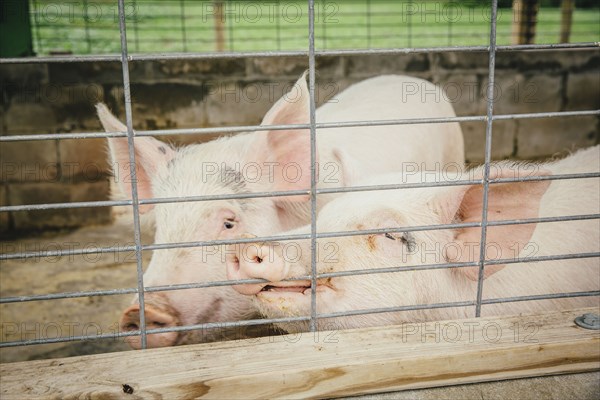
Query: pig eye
x: 228, y: 224
x: 405, y: 238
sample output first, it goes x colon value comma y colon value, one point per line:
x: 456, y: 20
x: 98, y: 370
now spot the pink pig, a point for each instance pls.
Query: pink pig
x: 279, y: 161
x: 280, y: 262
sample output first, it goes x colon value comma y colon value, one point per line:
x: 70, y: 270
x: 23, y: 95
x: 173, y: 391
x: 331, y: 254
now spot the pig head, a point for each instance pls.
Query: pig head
x: 204, y: 170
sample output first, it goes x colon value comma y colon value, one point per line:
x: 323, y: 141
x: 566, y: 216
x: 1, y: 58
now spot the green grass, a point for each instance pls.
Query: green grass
x: 157, y: 26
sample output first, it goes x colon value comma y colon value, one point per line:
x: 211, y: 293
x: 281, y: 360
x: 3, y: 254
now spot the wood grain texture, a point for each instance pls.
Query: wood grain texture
x: 325, y: 364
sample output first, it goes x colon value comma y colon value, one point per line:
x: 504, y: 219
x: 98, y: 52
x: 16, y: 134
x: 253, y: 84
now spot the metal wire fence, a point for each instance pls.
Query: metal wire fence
x: 90, y: 27
x: 138, y: 248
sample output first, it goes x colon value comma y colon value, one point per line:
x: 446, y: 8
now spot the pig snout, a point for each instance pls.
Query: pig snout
x: 155, y: 318
x: 255, y: 261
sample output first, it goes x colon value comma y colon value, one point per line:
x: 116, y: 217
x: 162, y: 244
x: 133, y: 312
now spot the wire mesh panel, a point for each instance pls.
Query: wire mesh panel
x: 408, y: 40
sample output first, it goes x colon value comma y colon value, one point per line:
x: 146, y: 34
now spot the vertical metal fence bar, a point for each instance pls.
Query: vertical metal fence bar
x: 132, y: 168
x: 488, y: 152
x: 313, y: 171
x: 183, y: 35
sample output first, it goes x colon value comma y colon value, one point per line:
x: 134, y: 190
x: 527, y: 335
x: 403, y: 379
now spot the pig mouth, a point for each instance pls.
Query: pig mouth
x: 301, y: 287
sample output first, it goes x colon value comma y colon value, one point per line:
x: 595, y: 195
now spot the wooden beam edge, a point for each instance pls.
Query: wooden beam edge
x: 310, y: 371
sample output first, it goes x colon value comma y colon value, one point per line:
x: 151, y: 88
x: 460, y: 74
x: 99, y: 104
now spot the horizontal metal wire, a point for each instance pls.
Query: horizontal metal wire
x: 60, y: 206
x: 222, y: 325
x: 66, y: 295
x: 368, y: 188
x: 62, y: 253
x: 403, y: 268
x: 201, y: 285
x: 302, y: 53
x: 185, y: 199
x: 396, y: 309
x: 518, y: 260
x: 319, y: 125
x: 427, y: 267
x: 165, y: 246
x: 444, y: 226
x: 117, y: 335
x: 290, y: 37
x: 540, y: 297
x: 455, y: 304
x: 111, y: 203
x: 291, y: 32
x: 552, y: 114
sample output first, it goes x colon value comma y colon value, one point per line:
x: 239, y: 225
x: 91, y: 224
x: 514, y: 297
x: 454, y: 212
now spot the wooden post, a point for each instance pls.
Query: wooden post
x: 524, y: 21
x: 219, y: 26
x: 324, y: 364
x: 566, y: 19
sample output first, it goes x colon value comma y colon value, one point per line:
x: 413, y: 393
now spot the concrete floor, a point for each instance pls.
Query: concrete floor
x: 88, y: 315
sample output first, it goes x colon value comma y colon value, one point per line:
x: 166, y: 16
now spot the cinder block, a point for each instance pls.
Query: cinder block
x: 4, y: 216
x: 242, y: 103
x: 19, y: 75
x: 55, y: 107
x: 471, y: 62
x: 372, y: 65
x: 92, y: 72
x: 271, y: 67
x: 553, y: 61
x: 292, y: 67
x: 503, y: 137
x: 29, y: 112
x: 190, y: 71
x: 84, y: 159
x: 462, y: 91
x: 33, y: 161
x: 583, y: 91
x: 37, y: 193
x: 164, y: 105
x: 542, y: 138
x: 516, y: 93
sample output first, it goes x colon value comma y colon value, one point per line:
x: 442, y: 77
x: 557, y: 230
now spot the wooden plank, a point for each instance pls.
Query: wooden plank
x: 325, y: 364
x: 524, y: 21
x: 219, y: 20
x: 566, y: 19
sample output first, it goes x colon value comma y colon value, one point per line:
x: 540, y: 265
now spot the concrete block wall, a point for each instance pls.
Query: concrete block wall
x: 58, y: 98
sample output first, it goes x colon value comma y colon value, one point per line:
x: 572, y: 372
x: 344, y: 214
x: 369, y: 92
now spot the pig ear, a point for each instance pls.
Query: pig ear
x: 290, y: 149
x: 506, y: 201
x: 346, y: 171
x: 150, y: 155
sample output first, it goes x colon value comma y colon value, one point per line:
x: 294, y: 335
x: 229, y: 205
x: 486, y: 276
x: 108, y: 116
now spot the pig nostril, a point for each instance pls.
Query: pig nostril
x: 236, y: 263
x: 155, y: 318
x: 258, y: 260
